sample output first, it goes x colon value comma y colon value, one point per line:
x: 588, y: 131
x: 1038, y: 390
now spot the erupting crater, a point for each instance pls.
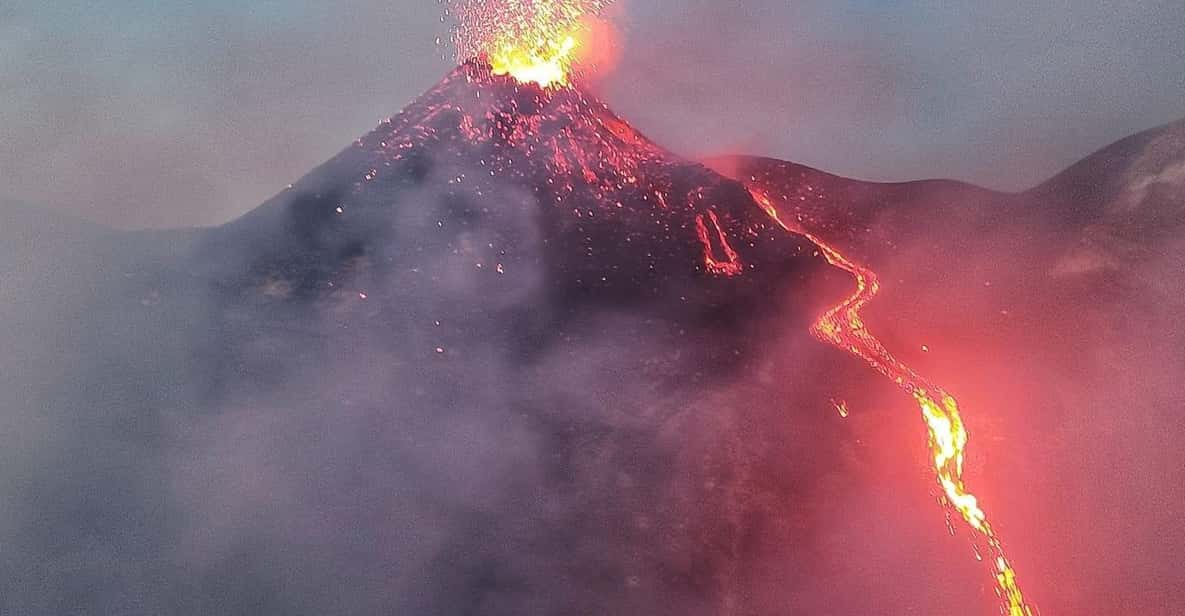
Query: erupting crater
x: 606, y: 187
x: 534, y: 41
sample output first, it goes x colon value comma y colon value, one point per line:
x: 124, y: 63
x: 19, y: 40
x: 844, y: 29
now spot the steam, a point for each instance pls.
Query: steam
x: 191, y: 428
x: 183, y: 431
x: 162, y: 454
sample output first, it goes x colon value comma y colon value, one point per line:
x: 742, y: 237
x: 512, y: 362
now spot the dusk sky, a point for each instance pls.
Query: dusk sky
x: 166, y: 113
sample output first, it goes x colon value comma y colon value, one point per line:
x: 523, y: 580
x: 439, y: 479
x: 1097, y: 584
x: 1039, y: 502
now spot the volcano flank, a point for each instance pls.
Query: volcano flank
x: 528, y: 268
x: 486, y: 359
x: 515, y: 177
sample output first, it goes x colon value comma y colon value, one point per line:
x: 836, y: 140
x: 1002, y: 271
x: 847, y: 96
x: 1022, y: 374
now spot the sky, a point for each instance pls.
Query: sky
x: 164, y: 113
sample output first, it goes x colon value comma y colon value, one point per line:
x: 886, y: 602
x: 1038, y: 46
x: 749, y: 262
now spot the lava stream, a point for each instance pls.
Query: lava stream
x: 843, y: 327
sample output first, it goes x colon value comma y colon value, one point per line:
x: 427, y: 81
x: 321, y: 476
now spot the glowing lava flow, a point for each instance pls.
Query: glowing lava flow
x: 534, y: 41
x: 731, y: 264
x: 843, y: 327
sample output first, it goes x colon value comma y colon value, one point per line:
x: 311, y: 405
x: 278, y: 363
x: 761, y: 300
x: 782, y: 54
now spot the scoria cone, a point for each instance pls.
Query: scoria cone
x: 618, y: 216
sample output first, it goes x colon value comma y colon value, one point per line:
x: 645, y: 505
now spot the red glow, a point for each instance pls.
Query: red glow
x: 730, y: 265
x: 843, y: 327
x: 599, y: 48
x: 578, y: 156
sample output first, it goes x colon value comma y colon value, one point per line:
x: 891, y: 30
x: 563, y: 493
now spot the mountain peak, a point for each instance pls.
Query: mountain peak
x: 622, y: 214
x: 564, y: 132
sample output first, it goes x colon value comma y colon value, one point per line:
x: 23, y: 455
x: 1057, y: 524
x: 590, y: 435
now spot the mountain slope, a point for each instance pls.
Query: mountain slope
x: 1142, y: 176
x: 1125, y: 206
x: 868, y: 217
x: 1055, y: 315
x: 502, y: 355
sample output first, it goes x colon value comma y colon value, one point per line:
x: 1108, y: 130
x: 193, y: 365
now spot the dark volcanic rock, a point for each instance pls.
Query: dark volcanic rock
x: 502, y: 355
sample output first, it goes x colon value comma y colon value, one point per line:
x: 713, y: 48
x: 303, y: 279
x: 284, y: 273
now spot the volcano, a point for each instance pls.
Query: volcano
x: 485, y: 359
x: 506, y: 355
x: 523, y: 261
x: 618, y: 213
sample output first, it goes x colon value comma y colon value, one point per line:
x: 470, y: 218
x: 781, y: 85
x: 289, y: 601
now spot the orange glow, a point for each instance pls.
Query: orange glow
x: 534, y: 41
x: 730, y: 264
x: 842, y: 327
x: 598, y: 48
x: 546, y: 65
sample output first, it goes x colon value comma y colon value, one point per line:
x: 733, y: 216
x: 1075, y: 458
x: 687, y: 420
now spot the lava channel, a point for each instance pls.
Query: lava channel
x: 842, y: 327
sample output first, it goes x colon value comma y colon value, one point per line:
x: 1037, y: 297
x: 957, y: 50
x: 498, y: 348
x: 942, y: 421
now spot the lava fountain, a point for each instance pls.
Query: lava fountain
x: 534, y: 41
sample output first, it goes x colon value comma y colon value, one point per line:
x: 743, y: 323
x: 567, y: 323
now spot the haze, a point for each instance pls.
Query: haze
x: 169, y: 113
x: 450, y: 372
